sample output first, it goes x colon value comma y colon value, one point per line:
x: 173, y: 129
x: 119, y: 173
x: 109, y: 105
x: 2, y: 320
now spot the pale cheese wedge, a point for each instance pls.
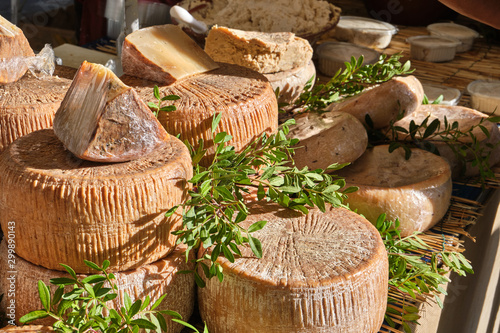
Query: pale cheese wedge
x: 163, y: 54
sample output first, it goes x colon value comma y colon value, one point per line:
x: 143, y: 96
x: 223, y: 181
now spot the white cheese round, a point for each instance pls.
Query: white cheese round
x: 451, y: 96
x: 485, y: 95
x: 364, y: 31
x: 333, y: 55
x: 464, y: 34
x: 433, y: 49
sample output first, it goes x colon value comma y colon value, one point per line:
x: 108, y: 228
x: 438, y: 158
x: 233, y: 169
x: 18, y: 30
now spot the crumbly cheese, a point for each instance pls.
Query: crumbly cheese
x: 153, y: 280
x: 260, y: 51
x: 416, y: 191
x: 328, y: 138
x: 164, y: 54
x: 244, y: 97
x: 321, y: 272
x: 67, y: 209
x: 101, y: 119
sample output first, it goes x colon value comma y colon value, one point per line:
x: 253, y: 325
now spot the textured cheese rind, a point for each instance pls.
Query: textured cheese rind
x: 244, y: 97
x: 291, y: 83
x: 417, y: 191
x: 68, y: 209
x: 327, y: 138
x: 27, y: 329
x: 163, y: 54
x: 466, y: 118
x: 30, y: 104
x: 153, y: 280
x: 383, y: 103
x: 321, y: 272
x: 103, y: 120
x: 264, y: 52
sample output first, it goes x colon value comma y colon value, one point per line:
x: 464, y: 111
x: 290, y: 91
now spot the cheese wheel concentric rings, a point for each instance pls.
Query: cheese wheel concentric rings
x: 321, y: 272
x: 68, y: 209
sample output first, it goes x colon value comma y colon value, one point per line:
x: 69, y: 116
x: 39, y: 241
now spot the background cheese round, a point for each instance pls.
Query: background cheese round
x: 327, y: 138
x: 417, y: 191
x: 155, y: 280
x: 244, y: 97
x: 30, y: 104
x: 321, y: 272
x: 66, y: 209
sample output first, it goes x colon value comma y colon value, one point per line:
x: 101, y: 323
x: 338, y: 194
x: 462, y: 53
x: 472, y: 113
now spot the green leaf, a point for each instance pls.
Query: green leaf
x: 185, y: 324
x: 157, y: 302
x: 63, y: 281
x: 256, y: 226
x: 33, y: 315
x: 127, y: 302
x: 143, y: 323
x: 91, y: 279
x: 227, y: 253
x: 44, y: 293
x: 69, y: 270
x: 135, y: 308
x: 215, y: 121
x: 161, y: 320
x: 92, y: 265
x: 256, y: 246
x: 156, y: 92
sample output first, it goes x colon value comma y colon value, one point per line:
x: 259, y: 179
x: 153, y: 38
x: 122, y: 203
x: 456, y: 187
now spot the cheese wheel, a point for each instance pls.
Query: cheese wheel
x: 27, y: 329
x: 321, y: 272
x: 417, y: 191
x: 68, y: 209
x: 466, y: 119
x: 153, y: 280
x: 383, y: 103
x: 244, y: 97
x: 327, y: 138
x: 30, y: 104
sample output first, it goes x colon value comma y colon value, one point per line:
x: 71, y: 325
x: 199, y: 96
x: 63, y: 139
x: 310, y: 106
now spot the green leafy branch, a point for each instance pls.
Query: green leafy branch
x: 83, y: 307
x: 218, y: 199
x: 156, y: 108
x: 351, y: 81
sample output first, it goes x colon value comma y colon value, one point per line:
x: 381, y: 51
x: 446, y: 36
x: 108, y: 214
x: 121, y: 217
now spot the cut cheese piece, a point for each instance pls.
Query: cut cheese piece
x: 383, y: 103
x: 417, y: 191
x: 153, y: 280
x: 27, y: 329
x: 14, y: 48
x: 331, y: 137
x: 68, y: 209
x: 466, y: 119
x: 30, y: 104
x: 103, y: 120
x: 163, y: 54
x: 264, y: 52
x: 244, y: 98
x: 321, y: 272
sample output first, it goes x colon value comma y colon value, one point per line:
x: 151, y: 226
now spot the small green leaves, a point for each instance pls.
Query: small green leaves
x: 156, y: 108
x: 44, y: 293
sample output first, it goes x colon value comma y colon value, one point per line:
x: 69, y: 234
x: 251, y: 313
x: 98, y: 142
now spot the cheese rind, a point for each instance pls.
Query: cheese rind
x: 321, y: 272
x: 27, y: 329
x: 264, y: 52
x: 153, y: 280
x: 328, y: 138
x: 68, y: 209
x: 416, y: 191
x: 163, y: 54
x: 101, y: 119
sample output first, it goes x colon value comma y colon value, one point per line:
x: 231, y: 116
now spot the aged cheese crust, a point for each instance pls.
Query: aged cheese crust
x: 244, y: 97
x: 264, y: 52
x: 153, y: 280
x: 30, y: 104
x: 321, y: 272
x: 466, y: 118
x: 163, y: 54
x: 383, y: 103
x: 68, y: 209
x: 332, y: 137
x: 103, y: 120
x: 27, y: 329
x: 417, y: 191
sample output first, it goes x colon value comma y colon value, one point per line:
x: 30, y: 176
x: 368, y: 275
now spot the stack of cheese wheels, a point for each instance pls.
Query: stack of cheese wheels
x: 153, y: 280
x: 66, y: 209
x: 417, y: 191
x: 320, y: 272
x: 30, y: 104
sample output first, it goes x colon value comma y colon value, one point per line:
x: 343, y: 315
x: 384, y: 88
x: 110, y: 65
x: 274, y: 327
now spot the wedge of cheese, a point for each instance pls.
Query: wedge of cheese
x: 14, y: 47
x: 383, y: 103
x: 264, y: 52
x: 101, y: 119
x: 416, y: 191
x: 30, y: 104
x: 321, y: 272
x: 67, y: 209
x: 244, y: 98
x: 331, y: 137
x: 466, y: 119
x: 153, y: 280
x: 164, y: 54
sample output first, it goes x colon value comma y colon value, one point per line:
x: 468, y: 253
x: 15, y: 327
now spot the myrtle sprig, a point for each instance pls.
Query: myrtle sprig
x: 83, y: 307
x: 156, y: 108
x: 412, y: 274
x: 218, y: 199
x: 351, y: 81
